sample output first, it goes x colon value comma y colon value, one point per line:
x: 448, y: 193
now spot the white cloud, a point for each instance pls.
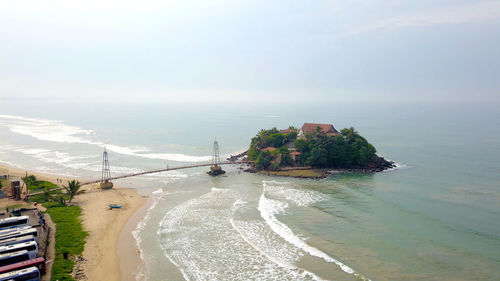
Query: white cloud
x: 471, y: 13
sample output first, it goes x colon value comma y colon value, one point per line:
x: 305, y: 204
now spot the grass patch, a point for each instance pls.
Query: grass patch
x: 70, y: 239
x: 40, y: 185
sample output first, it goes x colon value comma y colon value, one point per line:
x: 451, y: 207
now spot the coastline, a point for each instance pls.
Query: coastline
x: 131, y: 261
x: 100, y: 258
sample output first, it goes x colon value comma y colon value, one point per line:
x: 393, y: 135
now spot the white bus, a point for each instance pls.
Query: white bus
x: 9, y: 230
x: 31, y: 247
x: 14, y: 222
x: 15, y: 257
x: 17, y: 240
x: 19, y: 233
x: 26, y: 274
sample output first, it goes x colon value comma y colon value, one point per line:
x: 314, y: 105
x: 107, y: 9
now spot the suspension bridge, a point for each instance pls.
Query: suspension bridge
x: 215, y: 168
x: 166, y: 170
x: 106, y: 178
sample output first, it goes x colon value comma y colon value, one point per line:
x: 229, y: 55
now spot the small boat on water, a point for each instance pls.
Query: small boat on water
x: 114, y: 206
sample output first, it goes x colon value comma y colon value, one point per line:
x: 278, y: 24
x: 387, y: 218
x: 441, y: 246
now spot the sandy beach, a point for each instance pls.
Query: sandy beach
x: 100, y: 257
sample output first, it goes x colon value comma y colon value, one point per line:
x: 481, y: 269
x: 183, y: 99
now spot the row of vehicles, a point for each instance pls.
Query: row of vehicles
x: 19, y: 250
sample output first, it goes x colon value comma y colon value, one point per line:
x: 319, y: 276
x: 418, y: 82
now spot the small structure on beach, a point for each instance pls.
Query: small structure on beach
x: 16, y: 189
x: 215, y: 168
x: 106, y: 173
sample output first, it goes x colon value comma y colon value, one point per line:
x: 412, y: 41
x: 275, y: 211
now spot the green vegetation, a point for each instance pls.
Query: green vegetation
x: 265, y: 159
x: 50, y: 192
x: 70, y: 238
x: 35, y: 185
x: 72, y: 189
x: 271, y: 149
x: 39, y: 185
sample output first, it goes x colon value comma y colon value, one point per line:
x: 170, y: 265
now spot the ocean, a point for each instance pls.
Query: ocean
x: 434, y: 217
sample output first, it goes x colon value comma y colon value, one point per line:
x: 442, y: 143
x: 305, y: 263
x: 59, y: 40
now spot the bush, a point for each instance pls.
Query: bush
x: 264, y: 160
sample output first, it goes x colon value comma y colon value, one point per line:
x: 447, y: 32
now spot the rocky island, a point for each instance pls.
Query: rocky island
x: 313, y: 151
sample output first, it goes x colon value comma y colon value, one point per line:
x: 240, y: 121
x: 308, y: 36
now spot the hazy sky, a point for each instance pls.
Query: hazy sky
x: 237, y: 50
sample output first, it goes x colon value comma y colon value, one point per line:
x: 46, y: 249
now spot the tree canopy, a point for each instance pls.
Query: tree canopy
x: 345, y: 150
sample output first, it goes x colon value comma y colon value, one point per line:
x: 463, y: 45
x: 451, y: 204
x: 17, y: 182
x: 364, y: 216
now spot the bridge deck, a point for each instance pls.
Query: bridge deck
x: 155, y: 171
x: 167, y: 169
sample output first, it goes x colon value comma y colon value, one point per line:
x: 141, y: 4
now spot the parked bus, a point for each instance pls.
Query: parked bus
x: 17, y: 240
x: 27, y: 274
x: 14, y: 222
x: 15, y: 257
x: 31, y: 247
x: 38, y: 262
x: 29, y: 231
x: 9, y: 230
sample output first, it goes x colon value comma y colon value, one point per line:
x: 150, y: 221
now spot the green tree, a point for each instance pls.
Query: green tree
x: 276, y: 140
x: 318, y: 157
x: 72, y: 189
x: 290, y: 136
x: 301, y: 145
x: 29, y: 180
x: 264, y: 160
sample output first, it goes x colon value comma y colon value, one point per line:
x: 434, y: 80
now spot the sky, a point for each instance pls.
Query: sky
x: 190, y: 50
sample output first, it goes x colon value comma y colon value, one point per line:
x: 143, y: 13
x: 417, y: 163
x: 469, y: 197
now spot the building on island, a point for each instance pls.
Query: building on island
x: 307, y: 128
x: 295, y: 157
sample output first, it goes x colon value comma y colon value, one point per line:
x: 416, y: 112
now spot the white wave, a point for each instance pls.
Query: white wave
x: 218, y: 189
x: 158, y: 191
x: 121, y: 149
x: 57, y: 131
x: 175, y: 157
x: 199, y: 237
x: 13, y: 165
x: 31, y: 151
x: 47, y: 130
x: 137, y: 232
x: 269, y: 208
x: 281, y: 255
x: 52, y: 156
x: 239, y: 202
x: 300, y: 197
x: 398, y: 166
x: 271, y: 116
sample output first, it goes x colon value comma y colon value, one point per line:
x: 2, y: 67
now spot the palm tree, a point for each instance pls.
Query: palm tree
x: 72, y: 189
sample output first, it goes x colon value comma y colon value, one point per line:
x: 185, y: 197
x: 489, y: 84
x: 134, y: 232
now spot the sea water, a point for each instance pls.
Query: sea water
x: 435, y: 217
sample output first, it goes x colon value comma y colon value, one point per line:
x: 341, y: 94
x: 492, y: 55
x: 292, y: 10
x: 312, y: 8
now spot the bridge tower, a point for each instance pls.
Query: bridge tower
x: 216, y: 169
x: 106, y: 174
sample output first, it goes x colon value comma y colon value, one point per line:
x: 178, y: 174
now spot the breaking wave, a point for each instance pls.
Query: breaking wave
x: 57, y: 131
x: 269, y: 208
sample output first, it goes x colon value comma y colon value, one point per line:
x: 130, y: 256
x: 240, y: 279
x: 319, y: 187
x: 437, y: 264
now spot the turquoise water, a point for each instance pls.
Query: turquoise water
x: 436, y: 217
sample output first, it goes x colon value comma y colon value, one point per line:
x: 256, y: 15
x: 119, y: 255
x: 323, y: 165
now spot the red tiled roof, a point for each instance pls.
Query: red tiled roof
x: 311, y: 127
x: 287, y: 131
x: 270, y: 148
x: 295, y: 153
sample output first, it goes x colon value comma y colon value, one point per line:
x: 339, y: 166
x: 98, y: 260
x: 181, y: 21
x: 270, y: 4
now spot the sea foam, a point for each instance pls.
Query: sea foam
x: 269, y: 208
x: 57, y: 131
x: 202, y: 238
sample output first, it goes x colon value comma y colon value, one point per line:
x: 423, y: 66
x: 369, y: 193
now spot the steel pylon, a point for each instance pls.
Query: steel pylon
x: 106, y: 173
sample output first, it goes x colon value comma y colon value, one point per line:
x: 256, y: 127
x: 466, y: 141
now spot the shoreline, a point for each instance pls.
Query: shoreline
x: 132, y: 265
x: 100, y: 258
x: 319, y: 173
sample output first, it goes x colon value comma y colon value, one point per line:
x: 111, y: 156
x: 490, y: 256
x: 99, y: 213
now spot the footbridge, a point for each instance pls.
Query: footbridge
x: 166, y: 170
